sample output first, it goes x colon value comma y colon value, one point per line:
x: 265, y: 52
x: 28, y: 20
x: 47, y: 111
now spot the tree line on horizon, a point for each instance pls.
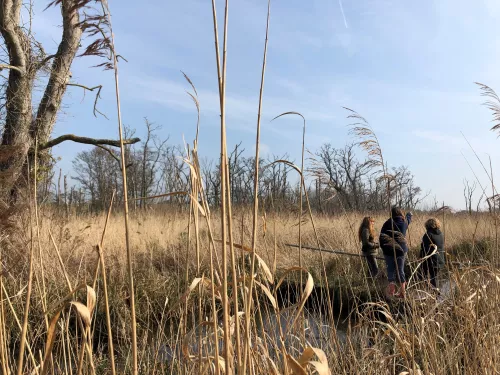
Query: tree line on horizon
x: 336, y: 179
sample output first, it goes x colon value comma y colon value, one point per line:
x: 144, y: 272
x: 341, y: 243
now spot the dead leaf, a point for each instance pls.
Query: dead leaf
x: 306, y: 356
x: 268, y: 293
x: 200, y: 208
x: 91, y: 299
x: 321, y: 368
x: 295, y: 366
x: 83, y: 311
x: 265, y: 268
x: 51, y: 334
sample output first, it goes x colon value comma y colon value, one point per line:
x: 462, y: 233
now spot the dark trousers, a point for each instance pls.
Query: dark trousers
x: 430, y: 269
x: 395, y: 268
x: 372, y: 264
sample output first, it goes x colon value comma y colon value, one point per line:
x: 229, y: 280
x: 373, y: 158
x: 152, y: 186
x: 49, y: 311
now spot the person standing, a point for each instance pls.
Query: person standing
x: 393, y: 242
x: 366, y: 235
x: 432, y: 251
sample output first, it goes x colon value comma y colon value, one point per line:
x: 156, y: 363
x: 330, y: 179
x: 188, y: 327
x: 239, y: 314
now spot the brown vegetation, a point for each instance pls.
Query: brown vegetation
x: 378, y: 336
x: 201, y: 283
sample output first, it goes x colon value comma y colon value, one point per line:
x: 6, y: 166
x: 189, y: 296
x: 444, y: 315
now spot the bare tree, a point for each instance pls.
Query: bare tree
x: 403, y: 189
x: 154, y: 167
x: 211, y: 177
x: 468, y: 193
x: 28, y: 126
x: 354, y: 182
x: 236, y: 174
x: 343, y: 172
x: 98, y: 175
x: 276, y: 183
x: 173, y: 172
x: 150, y: 156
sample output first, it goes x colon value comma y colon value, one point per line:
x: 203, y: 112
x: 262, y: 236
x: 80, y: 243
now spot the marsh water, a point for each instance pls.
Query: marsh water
x: 274, y: 330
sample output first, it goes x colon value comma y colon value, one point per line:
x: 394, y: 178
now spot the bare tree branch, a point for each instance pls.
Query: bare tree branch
x: 7, y: 66
x: 97, y: 96
x: 114, y: 156
x: 109, y: 151
x: 60, y: 73
x: 9, y: 19
x: 45, y: 61
x: 87, y: 141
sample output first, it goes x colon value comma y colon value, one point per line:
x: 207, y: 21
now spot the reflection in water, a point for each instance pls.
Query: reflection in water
x: 274, y: 331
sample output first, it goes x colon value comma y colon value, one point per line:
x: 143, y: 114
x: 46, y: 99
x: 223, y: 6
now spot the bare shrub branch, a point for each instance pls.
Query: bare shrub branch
x: 86, y: 140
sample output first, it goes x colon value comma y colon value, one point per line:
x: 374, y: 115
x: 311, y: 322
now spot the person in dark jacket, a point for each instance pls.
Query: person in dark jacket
x: 393, y: 243
x: 432, y: 251
x: 366, y: 235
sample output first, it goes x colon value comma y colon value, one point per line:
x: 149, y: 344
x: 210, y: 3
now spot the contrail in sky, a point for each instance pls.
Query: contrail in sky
x: 343, y: 15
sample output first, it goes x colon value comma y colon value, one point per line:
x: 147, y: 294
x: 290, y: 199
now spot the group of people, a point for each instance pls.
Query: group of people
x: 392, y: 241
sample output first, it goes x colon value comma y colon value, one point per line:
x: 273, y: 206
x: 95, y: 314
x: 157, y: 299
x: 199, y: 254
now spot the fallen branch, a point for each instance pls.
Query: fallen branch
x: 338, y: 252
x: 162, y: 195
x: 87, y: 141
x: 332, y: 251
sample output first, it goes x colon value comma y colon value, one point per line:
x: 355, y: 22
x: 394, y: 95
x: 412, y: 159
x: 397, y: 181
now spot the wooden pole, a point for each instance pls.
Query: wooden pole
x: 339, y: 252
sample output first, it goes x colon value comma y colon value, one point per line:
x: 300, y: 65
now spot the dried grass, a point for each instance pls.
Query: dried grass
x: 398, y: 340
x: 247, y: 309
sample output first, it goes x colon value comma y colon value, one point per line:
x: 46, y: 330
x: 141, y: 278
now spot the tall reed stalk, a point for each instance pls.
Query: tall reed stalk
x: 125, y: 192
x: 368, y: 141
x: 495, y: 218
x: 22, y: 346
x: 196, y: 192
x: 221, y: 73
x: 3, y: 333
x: 249, y: 299
x: 233, y: 272
x: 301, y: 188
x: 224, y: 184
x: 102, y: 264
x: 185, y: 313
x: 301, y: 198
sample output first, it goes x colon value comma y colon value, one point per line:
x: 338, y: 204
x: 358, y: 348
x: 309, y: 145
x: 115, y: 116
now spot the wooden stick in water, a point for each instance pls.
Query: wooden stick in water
x: 332, y: 251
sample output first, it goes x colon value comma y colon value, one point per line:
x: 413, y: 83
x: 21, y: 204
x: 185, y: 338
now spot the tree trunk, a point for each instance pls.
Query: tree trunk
x: 15, y: 138
x: 25, y: 136
x: 21, y: 130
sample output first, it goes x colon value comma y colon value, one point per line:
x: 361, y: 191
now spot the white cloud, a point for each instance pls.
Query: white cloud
x: 307, y: 39
x: 264, y: 149
x: 291, y: 86
x: 239, y: 107
x: 438, y: 137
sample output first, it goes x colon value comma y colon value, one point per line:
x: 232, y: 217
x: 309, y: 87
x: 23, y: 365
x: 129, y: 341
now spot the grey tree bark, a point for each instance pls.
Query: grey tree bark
x: 28, y: 125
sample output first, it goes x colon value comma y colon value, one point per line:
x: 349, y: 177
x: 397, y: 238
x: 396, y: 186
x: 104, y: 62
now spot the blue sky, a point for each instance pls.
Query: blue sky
x: 408, y: 67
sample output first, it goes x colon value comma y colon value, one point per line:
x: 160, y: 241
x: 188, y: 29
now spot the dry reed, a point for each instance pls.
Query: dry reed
x: 273, y: 320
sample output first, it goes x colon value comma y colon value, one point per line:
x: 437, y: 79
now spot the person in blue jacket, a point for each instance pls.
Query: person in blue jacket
x: 394, y: 246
